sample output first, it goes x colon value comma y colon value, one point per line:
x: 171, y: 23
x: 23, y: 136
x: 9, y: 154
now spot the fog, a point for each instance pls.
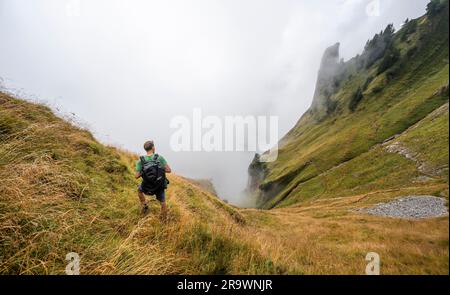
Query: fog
x: 126, y: 68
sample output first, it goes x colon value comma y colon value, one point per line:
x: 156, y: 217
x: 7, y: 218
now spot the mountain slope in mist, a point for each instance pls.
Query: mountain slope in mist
x: 343, y: 145
x: 62, y: 192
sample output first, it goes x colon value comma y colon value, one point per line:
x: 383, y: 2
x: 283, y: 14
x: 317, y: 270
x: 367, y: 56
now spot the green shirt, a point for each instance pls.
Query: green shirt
x: 149, y: 158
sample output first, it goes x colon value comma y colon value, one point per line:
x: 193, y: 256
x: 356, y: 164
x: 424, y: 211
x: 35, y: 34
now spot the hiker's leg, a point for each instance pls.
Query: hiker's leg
x: 161, y: 197
x: 144, y: 205
x: 141, y: 197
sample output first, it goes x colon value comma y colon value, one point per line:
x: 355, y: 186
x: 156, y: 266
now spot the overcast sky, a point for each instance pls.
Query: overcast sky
x: 125, y: 68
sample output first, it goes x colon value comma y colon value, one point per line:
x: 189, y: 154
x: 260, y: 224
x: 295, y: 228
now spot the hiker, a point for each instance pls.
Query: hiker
x: 152, y: 168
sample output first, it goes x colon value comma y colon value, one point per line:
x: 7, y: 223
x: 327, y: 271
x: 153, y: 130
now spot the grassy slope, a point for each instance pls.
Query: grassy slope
x: 311, y: 155
x: 62, y: 191
x: 321, y: 231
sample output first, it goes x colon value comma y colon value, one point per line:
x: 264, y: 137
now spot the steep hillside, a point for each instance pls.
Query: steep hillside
x: 342, y: 146
x: 61, y: 191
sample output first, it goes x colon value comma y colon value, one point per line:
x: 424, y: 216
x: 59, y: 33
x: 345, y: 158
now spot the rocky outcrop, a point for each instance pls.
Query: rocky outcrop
x: 330, y: 70
x: 256, y: 172
x: 327, y: 81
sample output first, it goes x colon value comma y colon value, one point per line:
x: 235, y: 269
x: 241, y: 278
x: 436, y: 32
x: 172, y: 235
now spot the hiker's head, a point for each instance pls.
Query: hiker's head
x: 149, y: 146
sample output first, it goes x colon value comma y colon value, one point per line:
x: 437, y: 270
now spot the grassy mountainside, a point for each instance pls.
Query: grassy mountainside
x: 336, y: 149
x: 62, y: 191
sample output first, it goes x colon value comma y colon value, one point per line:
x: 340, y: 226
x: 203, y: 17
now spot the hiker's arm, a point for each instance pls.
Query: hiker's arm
x: 137, y: 175
x: 168, y: 170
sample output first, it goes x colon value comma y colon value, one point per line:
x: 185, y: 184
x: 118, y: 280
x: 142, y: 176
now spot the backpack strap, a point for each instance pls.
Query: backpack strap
x: 142, y: 159
x: 155, y: 157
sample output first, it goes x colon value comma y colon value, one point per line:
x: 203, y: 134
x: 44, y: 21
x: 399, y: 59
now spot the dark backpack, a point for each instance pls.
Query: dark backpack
x: 153, y: 175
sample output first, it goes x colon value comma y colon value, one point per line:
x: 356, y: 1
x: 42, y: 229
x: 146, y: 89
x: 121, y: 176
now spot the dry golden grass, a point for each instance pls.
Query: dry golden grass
x: 61, y: 191
x: 328, y: 237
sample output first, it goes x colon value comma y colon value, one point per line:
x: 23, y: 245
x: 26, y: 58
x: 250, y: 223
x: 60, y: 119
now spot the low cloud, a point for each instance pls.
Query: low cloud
x: 127, y: 67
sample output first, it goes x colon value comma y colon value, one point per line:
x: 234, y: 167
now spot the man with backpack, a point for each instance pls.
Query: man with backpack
x: 152, y: 168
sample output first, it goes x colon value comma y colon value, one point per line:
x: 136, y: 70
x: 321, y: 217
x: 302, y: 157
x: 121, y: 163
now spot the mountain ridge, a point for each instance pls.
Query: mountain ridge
x: 397, y: 81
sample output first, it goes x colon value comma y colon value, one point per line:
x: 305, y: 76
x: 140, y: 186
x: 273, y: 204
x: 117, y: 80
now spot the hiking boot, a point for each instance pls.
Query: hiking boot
x: 145, y: 209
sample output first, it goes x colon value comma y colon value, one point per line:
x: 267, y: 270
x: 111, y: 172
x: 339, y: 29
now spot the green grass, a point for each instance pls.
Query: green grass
x: 58, y: 196
x: 62, y: 191
x: 398, y: 102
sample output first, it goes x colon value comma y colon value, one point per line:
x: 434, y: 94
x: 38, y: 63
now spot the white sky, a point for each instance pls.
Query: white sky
x: 125, y: 68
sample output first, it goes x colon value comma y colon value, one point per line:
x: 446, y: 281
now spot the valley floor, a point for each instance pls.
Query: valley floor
x: 330, y: 237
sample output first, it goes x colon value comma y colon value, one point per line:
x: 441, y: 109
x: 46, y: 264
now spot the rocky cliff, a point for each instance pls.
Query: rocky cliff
x: 334, y: 149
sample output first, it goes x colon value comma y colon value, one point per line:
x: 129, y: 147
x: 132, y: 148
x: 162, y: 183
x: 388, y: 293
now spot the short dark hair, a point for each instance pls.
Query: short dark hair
x: 148, y: 145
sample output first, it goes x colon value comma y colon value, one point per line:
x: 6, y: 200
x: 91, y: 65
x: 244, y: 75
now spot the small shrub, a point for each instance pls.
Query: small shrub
x: 115, y: 166
x: 410, y: 53
x: 367, y: 83
x: 88, y: 147
x: 377, y: 89
x: 391, y: 56
x: 355, y: 99
x: 392, y: 73
x: 9, y: 124
x: 409, y: 28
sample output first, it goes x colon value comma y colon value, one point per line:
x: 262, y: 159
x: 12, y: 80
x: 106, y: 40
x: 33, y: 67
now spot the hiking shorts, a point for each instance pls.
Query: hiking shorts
x: 160, y: 195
